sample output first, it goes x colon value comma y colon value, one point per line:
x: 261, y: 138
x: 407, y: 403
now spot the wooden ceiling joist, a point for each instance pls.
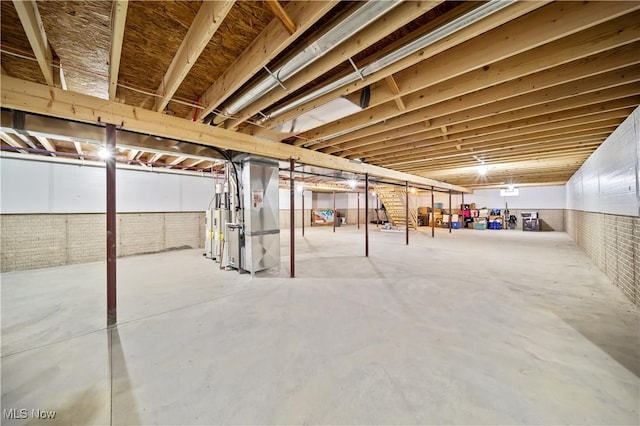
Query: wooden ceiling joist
x: 519, y: 119
x: 467, y: 33
x: 396, y: 18
x: 131, y: 155
x: 205, y: 24
x: 282, y: 15
x: 192, y: 163
x: 509, y: 60
x: 271, y: 42
x: 32, y: 23
x: 47, y: 144
x: 511, y: 144
x: 522, y: 128
x: 118, y: 19
x: 78, y: 147
x: 430, y: 95
x: 482, y: 101
x: 393, y: 86
x: 12, y: 140
x: 177, y: 160
x: 36, y: 98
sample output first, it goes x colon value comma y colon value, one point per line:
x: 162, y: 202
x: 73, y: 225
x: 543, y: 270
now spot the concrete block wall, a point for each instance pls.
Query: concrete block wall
x: 613, y: 243
x: 30, y: 241
x: 550, y: 219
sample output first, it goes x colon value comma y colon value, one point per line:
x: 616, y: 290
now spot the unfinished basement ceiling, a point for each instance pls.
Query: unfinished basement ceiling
x: 526, y: 91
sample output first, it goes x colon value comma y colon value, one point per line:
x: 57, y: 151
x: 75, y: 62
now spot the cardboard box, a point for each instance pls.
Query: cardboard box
x: 423, y: 210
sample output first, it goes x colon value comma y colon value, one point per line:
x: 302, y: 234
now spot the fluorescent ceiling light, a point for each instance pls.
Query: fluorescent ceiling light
x: 331, y: 111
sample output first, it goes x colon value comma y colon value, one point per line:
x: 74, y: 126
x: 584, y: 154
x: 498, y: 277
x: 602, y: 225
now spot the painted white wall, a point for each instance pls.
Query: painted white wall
x: 285, y: 199
x: 41, y: 187
x: 534, y: 197
x: 609, y: 181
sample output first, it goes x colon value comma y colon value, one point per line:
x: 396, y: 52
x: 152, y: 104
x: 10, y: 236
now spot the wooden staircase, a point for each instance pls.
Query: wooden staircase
x: 394, y: 200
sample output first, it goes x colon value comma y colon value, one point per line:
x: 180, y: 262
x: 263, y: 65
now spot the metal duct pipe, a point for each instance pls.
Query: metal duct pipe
x: 406, y: 50
x: 349, y: 26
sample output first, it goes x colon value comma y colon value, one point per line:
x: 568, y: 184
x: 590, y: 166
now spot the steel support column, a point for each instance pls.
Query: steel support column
x: 292, y: 219
x: 358, y: 195
x: 302, y: 192
x: 366, y: 214
x: 335, y: 213
x: 464, y: 223
x: 433, y: 215
x: 450, y: 212
x: 110, y: 162
x: 406, y: 211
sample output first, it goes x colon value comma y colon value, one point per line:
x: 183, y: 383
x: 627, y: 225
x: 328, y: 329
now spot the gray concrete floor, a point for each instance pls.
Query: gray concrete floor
x: 473, y: 327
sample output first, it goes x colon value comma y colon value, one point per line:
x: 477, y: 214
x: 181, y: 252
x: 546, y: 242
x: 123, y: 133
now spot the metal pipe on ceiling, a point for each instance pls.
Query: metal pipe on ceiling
x: 339, y: 33
x: 408, y: 49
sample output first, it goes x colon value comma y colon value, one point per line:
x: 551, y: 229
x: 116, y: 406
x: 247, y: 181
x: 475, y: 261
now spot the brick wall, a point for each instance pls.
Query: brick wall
x: 613, y: 243
x: 30, y: 241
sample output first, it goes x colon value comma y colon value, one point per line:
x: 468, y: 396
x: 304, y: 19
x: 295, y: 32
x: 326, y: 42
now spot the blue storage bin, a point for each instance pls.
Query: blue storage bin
x: 455, y: 225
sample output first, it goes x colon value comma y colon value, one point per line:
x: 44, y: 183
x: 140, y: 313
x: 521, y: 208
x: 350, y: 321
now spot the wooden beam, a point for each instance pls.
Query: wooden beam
x: 12, y: 140
x: 47, y: 144
x: 2, y: 70
x: 155, y: 157
x: 520, y: 128
x: 519, y: 56
x: 395, y: 19
x: 118, y: 20
x: 393, y: 86
x: 34, y: 29
x: 578, y: 79
x: 484, y: 77
x: 266, y: 46
x: 512, y: 144
x: 78, y: 148
x: 193, y: 163
x: 132, y: 154
x: 282, y: 15
x: 177, y: 161
x: 204, y: 26
x: 493, y: 21
x: 38, y: 99
x: 499, y: 154
x: 522, y: 118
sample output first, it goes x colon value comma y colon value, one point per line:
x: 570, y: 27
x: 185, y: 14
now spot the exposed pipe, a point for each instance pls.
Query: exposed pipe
x: 339, y: 33
x: 410, y: 48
